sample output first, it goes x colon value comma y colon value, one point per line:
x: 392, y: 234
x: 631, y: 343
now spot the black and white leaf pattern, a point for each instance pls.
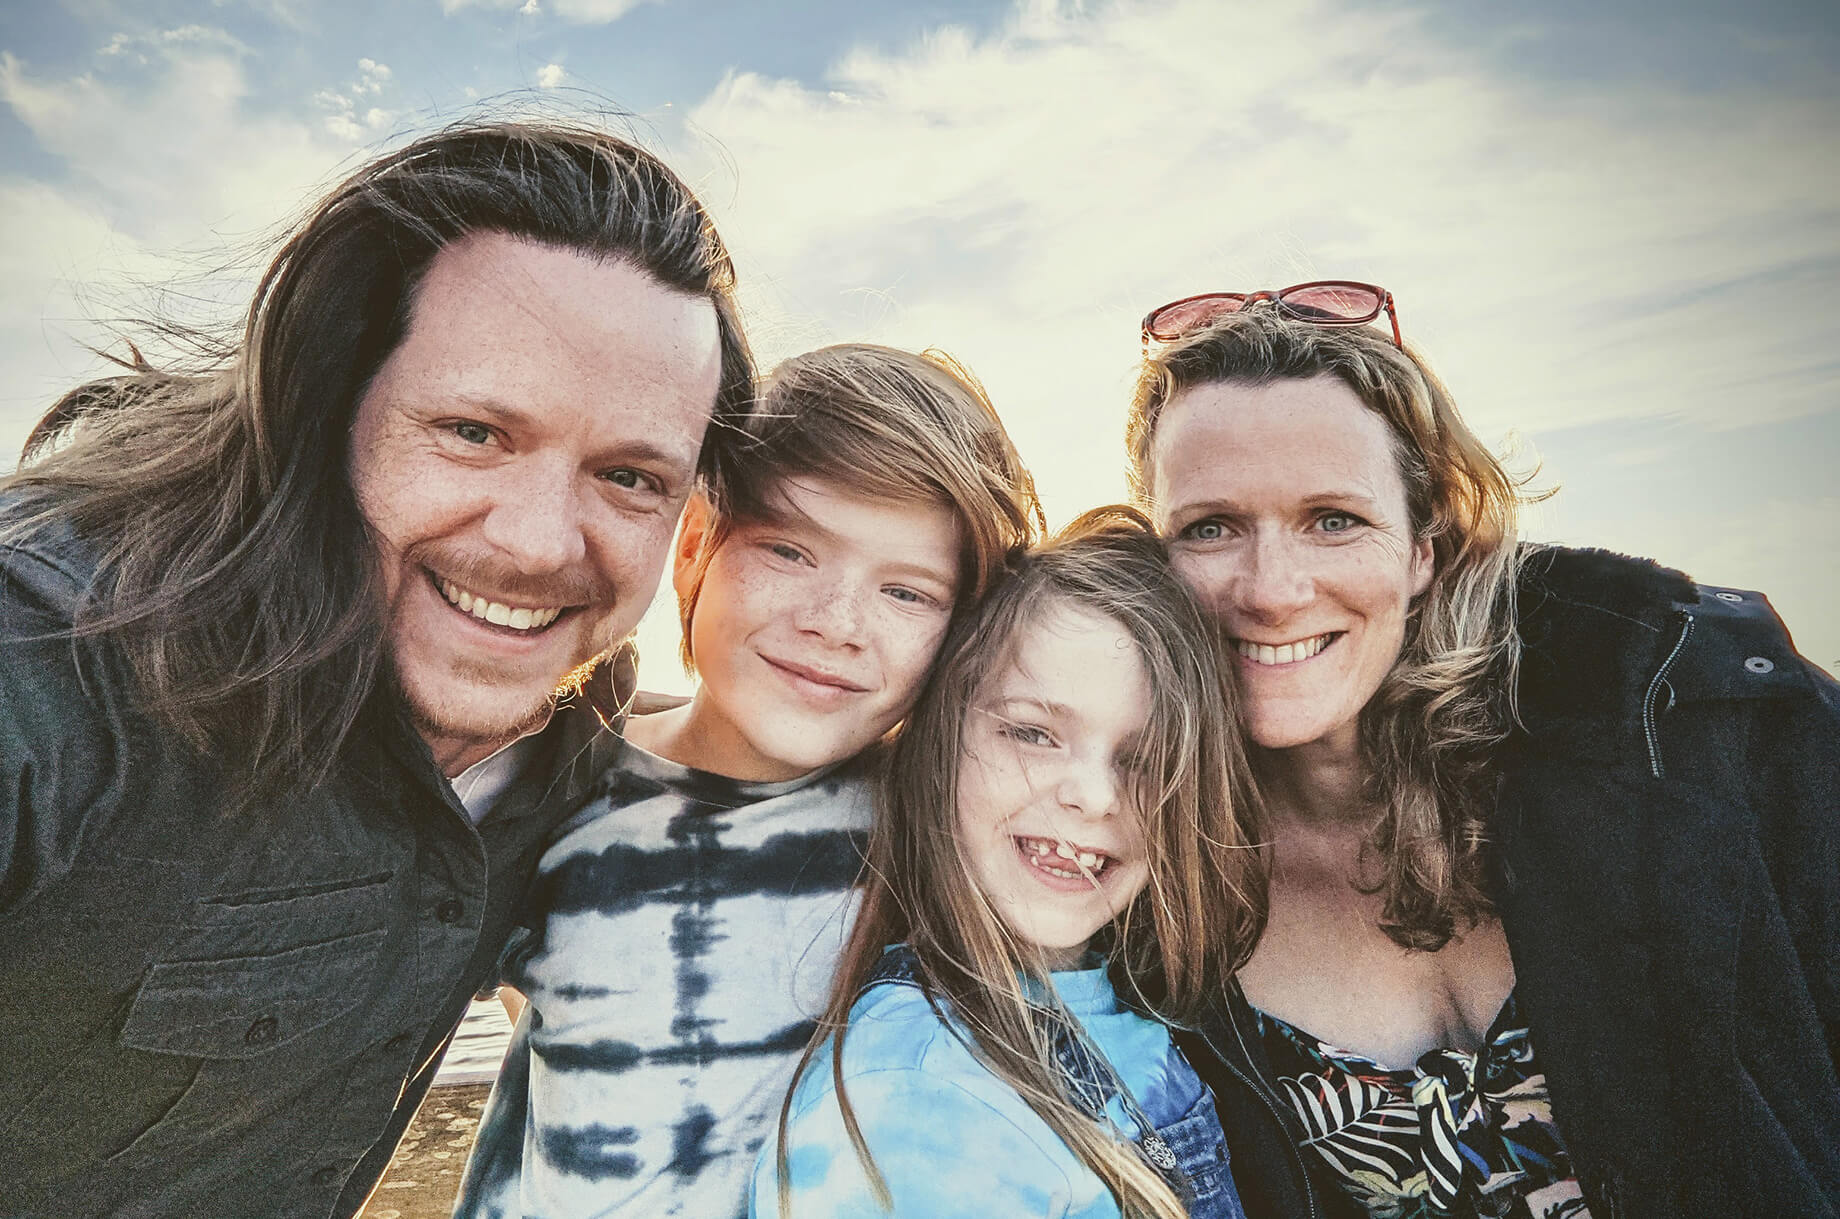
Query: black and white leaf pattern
x: 1458, y: 1134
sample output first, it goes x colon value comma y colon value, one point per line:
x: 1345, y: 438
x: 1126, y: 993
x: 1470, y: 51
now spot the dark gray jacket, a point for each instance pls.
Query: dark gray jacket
x: 1668, y: 841
x: 208, y: 1014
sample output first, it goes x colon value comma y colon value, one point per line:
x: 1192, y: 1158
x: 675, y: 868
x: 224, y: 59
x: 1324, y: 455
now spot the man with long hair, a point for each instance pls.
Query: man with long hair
x: 300, y: 663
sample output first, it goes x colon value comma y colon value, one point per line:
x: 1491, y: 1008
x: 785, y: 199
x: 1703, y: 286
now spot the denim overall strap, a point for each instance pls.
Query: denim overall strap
x: 1090, y: 1083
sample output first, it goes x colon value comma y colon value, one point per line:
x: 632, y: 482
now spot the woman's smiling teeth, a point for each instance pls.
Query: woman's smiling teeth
x: 1048, y: 854
x: 1284, y: 653
x: 517, y: 618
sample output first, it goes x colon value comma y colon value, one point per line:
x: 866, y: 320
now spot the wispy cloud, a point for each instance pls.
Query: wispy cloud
x: 581, y: 12
x: 352, y: 111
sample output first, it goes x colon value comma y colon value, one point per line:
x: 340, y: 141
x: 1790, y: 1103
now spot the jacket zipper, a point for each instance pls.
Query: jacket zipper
x: 1654, y: 689
x: 1303, y: 1173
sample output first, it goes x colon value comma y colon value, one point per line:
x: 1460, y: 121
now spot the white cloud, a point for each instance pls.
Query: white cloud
x: 550, y: 76
x: 165, y: 173
x: 347, y: 116
x: 580, y: 12
x: 372, y: 76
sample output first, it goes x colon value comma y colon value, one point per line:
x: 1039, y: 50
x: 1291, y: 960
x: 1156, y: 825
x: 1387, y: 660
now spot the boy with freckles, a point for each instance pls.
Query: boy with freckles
x: 685, y: 921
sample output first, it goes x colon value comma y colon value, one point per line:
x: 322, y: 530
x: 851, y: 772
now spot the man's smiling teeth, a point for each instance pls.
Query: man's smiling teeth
x: 496, y: 612
x: 1284, y: 653
x: 1041, y: 851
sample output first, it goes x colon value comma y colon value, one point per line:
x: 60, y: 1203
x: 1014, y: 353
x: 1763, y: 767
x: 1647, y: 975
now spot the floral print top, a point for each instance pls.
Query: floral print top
x: 1465, y: 1135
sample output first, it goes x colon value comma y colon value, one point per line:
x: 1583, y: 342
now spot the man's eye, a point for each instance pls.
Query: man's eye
x: 1337, y: 522
x: 1205, y: 531
x: 632, y: 480
x: 473, y: 433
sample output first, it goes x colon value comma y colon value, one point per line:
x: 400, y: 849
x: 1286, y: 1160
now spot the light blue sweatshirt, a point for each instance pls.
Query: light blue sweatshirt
x: 949, y: 1137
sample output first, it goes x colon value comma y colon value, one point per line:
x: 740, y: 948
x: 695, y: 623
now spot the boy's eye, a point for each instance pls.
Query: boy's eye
x: 782, y: 550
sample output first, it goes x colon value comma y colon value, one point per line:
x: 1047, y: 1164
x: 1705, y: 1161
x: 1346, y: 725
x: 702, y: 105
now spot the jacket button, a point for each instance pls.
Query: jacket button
x: 1759, y: 664
x: 262, y: 1031
x: 1728, y: 596
x: 450, y: 910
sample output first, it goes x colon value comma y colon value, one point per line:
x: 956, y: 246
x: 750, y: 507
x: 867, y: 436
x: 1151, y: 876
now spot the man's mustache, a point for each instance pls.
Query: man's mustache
x: 482, y: 575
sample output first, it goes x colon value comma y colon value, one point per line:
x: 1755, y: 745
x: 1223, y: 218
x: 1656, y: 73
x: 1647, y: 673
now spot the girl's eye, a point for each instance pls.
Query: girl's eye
x: 908, y: 596
x: 473, y: 433
x: 1027, y: 734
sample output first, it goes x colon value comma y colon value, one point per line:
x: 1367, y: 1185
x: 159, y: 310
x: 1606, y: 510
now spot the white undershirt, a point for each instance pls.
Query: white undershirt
x: 479, y: 786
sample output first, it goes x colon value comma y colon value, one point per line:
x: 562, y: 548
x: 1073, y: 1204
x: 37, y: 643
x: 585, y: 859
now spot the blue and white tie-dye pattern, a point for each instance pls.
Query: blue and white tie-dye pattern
x: 687, y: 928
x: 949, y: 1137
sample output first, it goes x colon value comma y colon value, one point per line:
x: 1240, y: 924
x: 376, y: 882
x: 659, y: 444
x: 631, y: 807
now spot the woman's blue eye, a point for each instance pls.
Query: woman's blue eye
x: 473, y: 433
x: 1206, y: 531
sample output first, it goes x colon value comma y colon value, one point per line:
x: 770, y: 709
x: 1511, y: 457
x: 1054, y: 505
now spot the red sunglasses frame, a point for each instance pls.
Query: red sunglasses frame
x: 1276, y: 297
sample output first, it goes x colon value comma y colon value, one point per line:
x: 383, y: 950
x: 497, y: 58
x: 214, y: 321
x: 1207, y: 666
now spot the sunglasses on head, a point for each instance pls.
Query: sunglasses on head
x: 1325, y: 302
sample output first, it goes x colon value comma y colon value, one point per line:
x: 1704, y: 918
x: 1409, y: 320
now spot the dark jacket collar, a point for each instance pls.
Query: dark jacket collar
x: 1595, y: 629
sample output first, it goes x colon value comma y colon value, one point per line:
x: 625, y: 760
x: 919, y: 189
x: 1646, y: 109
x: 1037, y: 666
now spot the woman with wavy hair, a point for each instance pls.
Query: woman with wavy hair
x: 1553, y: 835
x: 1066, y: 797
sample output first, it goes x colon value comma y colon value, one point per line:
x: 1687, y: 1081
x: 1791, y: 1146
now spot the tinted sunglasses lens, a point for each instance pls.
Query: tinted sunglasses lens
x: 1332, y: 302
x: 1186, y: 317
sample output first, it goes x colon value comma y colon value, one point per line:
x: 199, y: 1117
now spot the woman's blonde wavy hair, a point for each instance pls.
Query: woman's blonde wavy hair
x: 1172, y: 949
x: 1429, y: 731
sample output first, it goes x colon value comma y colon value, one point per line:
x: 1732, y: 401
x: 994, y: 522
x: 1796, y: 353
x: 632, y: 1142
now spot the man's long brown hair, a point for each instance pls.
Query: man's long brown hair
x: 237, y: 578
x: 1173, y: 947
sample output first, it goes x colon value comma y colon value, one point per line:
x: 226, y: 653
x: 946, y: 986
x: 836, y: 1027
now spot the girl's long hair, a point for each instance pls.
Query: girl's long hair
x: 1429, y: 733
x: 1172, y: 948
x: 236, y: 575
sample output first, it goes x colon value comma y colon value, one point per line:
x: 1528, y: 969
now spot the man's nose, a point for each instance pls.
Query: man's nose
x: 536, y: 522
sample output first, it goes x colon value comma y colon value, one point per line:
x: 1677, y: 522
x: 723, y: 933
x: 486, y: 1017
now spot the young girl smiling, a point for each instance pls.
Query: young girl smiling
x: 1064, y: 815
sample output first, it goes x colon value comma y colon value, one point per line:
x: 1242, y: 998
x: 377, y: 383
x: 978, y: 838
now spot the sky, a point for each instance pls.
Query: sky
x: 1613, y: 227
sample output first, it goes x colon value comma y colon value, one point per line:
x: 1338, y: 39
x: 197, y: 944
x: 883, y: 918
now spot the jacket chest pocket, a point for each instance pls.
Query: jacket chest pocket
x: 242, y: 1007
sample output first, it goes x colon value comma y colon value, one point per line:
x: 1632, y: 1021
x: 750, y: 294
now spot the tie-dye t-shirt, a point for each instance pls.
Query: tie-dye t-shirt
x: 949, y: 1137
x: 686, y: 929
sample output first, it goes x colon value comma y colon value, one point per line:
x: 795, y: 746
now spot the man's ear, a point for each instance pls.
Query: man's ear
x: 693, y: 537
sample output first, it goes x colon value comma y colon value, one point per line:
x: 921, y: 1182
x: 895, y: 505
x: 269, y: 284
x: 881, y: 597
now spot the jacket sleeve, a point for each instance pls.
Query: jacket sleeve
x: 1795, y: 773
x: 56, y: 747
x: 946, y: 1148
